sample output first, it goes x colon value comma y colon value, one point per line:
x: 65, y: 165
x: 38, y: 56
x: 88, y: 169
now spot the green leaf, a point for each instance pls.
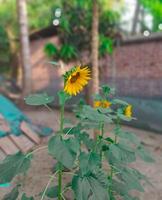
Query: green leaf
x: 121, y: 153
x: 106, y: 90
x: 120, y: 102
x: 38, y: 99
x: 89, y: 187
x: 131, y: 179
x: 62, y: 151
x: 115, y: 151
x: 93, y: 115
x: 88, y: 124
x: 144, y: 155
x: 72, y: 130
x: 106, y: 45
x: 63, y: 97
x: 52, y: 192
x: 68, y: 52
x: 124, y: 145
x: 88, y: 162
x: 13, y: 165
x: 81, y: 187
x: 124, y: 118
x: 54, y: 63
x: 73, y: 145
x: 130, y: 137
x: 119, y: 187
x: 141, y: 176
x: 13, y: 195
x: 24, y: 197
x: 109, y: 139
x: 87, y: 141
x: 112, y: 160
x: 97, y: 97
x: 50, y: 50
x: 57, y: 167
x: 105, y: 110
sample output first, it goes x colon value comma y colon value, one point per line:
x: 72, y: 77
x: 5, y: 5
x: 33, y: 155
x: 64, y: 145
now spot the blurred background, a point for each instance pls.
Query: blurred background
x: 40, y: 39
x: 121, y: 40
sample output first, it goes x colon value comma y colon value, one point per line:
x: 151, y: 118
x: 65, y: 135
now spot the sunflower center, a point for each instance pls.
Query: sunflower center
x: 74, y: 77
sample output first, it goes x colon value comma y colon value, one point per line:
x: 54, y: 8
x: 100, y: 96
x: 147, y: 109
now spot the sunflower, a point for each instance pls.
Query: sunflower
x: 128, y: 111
x: 102, y: 104
x: 76, y: 79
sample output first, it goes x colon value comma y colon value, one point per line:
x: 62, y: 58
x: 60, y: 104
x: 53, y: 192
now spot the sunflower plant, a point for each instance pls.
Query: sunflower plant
x: 97, y: 168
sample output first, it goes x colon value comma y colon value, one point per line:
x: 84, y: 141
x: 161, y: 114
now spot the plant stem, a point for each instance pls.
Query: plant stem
x: 115, y: 141
x: 50, y: 180
x: 111, y: 177
x: 62, y: 120
x: 102, y: 129
x: 60, y: 182
x: 60, y: 165
x: 102, y: 134
x: 35, y: 150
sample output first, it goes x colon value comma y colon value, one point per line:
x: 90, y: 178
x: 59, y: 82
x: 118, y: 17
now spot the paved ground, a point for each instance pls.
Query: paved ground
x: 38, y: 175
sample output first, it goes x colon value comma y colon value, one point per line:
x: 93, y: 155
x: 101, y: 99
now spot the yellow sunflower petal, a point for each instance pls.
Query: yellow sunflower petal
x: 77, y: 80
x: 128, y: 111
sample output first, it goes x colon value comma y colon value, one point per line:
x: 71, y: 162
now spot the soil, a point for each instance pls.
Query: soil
x: 38, y: 175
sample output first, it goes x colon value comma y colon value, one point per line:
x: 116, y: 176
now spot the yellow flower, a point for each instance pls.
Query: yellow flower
x: 76, y: 79
x: 128, y: 111
x: 97, y: 104
x: 102, y: 104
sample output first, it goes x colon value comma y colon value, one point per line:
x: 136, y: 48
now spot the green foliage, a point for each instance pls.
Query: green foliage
x: 100, y: 169
x: 74, y: 29
x: 64, y: 151
x: 4, y: 51
x: 39, y: 16
x: 121, y: 154
x: 51, y: 50
x: 106, y: 45
x: 13, y: 165
x: 155, y: 9
x: 8, y: 33
x: 91, y: 115
x: 68, y: 52
x: 108, y: 22
x: 143, y: 154
x: 89, y: 162
x: 13, y: 194
x: 63, y: 97
x: 93, y: 186
x: 39, y: 99
x: 52, y: 192
x: 24, y: 197
x: 41, y: 13
x: 9, y: 19
x: 107, y: 91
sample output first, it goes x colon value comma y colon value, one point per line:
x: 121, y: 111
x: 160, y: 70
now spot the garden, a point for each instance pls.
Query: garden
x: 80, y: 95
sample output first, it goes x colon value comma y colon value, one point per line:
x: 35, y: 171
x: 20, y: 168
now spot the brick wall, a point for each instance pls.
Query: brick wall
x: 135, y: 69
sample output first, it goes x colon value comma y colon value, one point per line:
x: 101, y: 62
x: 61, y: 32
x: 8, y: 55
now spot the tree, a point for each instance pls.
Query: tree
x: 95, y: 47
x: 9, y: 30
x: 8, y: 25
x: 25, y: 49
x: 136, y: 17
x: 155, y: 9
